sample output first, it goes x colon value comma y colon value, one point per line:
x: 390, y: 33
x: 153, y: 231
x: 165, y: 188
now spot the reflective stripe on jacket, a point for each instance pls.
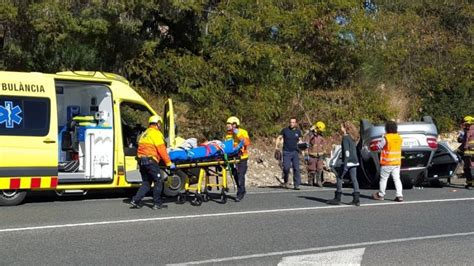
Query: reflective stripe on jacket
x: 392, y: 151
x: 152, y: 144
x: 242, y: 135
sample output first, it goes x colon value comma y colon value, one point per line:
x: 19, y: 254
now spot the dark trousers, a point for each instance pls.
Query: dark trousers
x: 291, y: 159
x: 150, y: 174
x: 468, y: 169
x: 239, y: 171
x: 352, y: 170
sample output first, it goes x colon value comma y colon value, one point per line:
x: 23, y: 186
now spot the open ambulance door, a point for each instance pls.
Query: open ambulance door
x: 134, y: 121
x: 169, y: 125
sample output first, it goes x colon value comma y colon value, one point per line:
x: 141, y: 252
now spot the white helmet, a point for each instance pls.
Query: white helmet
x: 155, y: 119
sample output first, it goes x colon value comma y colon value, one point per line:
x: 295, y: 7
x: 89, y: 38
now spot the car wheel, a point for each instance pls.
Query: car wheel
x: 11, y: 197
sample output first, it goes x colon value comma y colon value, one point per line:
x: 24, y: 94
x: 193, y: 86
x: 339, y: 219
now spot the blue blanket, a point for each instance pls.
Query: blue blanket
x: 206, y: 152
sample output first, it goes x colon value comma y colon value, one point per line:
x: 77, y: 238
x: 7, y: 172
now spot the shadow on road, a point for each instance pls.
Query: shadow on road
x: 361, y: 195
x: 314, y: 199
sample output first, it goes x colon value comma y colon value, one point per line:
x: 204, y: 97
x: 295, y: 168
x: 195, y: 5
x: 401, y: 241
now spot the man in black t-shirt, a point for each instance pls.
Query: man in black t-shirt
x: 290, y: 137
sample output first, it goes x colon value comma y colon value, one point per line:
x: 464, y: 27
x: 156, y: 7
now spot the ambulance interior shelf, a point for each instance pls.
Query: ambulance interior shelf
x: 85, y: 143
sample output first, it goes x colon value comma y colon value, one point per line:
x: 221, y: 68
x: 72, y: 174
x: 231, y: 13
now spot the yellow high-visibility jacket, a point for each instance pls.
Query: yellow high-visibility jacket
x: 152, y: 144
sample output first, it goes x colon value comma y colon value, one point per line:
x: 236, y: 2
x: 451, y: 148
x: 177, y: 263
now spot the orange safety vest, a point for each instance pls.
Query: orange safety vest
x: 152, y: 144
x: 242, y: 135
x: 392, y: 151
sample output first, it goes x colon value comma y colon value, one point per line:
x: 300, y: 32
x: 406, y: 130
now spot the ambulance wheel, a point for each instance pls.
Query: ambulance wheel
x: 11, y: 197
x: 197, y: 201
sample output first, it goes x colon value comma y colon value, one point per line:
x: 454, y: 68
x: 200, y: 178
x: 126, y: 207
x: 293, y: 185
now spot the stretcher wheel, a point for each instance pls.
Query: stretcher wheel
x: 181, y: 199
x: 205, y: 197
x: 197, y: 201
x: 224, y: 198
x: 209, y: 188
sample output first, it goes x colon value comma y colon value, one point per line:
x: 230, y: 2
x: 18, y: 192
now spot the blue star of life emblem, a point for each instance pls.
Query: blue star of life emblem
x: 10, y: 115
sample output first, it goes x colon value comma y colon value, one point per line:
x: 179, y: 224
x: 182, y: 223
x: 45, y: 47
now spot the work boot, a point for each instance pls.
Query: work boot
x: 356, y: 199
x: 398, y: 199
x: 336, y: 200
x: 468, y: 185
x: 135, y: 205
x: 319, y: 182
x: 159, y: 206
x: 319, y: 179
x: 376, y: 196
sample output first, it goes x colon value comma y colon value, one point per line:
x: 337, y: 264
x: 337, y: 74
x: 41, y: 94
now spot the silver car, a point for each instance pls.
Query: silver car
x: 424, y: 160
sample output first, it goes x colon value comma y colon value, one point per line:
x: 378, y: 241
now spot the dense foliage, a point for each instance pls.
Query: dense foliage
x: 262, y: 60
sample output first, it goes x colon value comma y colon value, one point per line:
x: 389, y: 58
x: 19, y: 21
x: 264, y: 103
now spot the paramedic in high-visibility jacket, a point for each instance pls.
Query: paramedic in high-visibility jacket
x: 390, y: 161
x: 151, y: 151
x: 238, y: 134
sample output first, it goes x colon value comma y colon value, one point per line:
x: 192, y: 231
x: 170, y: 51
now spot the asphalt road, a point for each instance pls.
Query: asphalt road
x: 269, y: 227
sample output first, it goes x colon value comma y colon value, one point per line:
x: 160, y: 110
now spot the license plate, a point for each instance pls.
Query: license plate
x: 410, y: 142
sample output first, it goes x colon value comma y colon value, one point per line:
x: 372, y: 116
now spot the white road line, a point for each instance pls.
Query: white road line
x: 347, y: 257
x: 210, y: 215
x: 344, y: 246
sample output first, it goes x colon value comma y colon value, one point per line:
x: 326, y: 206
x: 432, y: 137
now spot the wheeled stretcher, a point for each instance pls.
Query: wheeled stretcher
x: 206, y: 167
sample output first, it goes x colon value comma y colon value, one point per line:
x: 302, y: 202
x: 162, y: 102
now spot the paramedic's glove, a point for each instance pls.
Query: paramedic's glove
x: 277, y: 155
x: 236, y: 131
x: 173, y: 166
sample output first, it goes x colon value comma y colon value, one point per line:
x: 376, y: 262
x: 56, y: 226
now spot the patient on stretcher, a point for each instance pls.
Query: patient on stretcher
x: 191, y: 151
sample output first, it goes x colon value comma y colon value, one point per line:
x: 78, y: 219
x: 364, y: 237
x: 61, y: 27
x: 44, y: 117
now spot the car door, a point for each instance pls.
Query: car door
x: 444, y: 162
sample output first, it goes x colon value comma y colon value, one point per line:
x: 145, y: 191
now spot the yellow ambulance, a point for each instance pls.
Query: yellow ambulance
x: 70, y: 132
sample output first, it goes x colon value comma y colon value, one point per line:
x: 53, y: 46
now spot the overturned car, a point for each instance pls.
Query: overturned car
x: 424, y: 160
